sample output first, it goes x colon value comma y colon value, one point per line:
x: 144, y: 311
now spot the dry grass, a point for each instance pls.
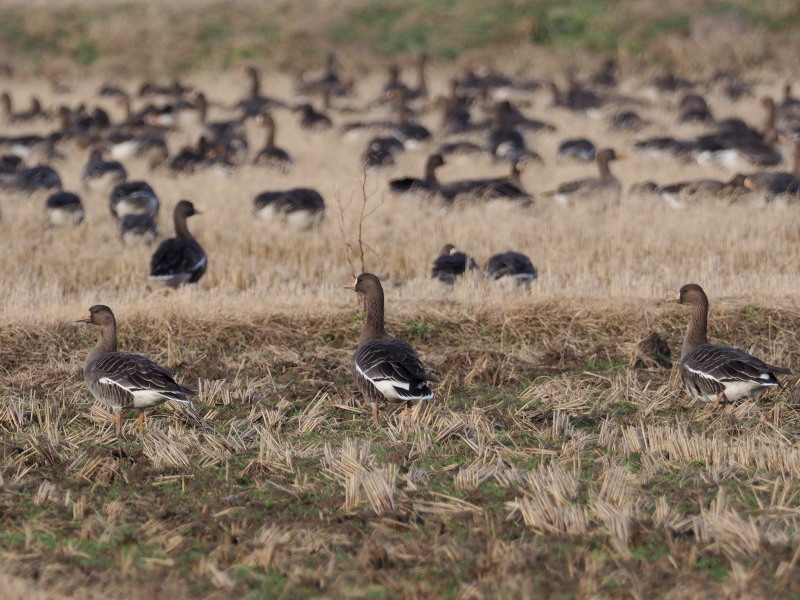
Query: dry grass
x: 549, y: 465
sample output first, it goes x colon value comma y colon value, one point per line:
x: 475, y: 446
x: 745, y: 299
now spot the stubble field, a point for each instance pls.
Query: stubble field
x: 558, y: 459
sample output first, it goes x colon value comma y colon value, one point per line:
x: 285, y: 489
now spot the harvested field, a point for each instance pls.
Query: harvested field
x: 561, y: 457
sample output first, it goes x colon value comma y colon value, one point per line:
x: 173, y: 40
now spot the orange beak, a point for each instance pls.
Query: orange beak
x: 86, y: 319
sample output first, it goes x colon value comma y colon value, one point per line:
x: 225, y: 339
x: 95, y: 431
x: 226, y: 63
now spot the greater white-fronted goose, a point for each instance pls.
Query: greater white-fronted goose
x: 34, y: 111
x: 380, y: 153
x: 328, y: 82
x: 492, y: 188
x: 451, y: 264
x: 271, y: 155
x: 31, y: 179
x: 133, y: 228
x: 606, y: 187
x: 694, y: 109
x: 716, y: 373
x: 312, y: 119
x: 133, y: 198
x: 512, y: 265
x: 777, y: 184
x: 385, y: 369
x: 122, y: 380
x: 428, y: 185
x: 255, y: 102
x: 64, y: 209
x: 100, y: 174
x: 579, y: 149
x: 181, y: 259
x: 302, y: 208
x: 221, y: 133
x: 405, y: 130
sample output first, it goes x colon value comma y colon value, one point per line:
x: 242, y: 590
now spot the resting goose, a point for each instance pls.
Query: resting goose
x: 271, y: 155
x: 312, y: 119
x: 181, y: 259
x: 133, y: 228
x: 605, y: 187
x: 715, y: 373
x: 100, y: 174
x: 579, y: 149
x: 300, y: 207
x: 133, y: 198
x: 64, y: 208
x: 123, y: 380
x: 31, y: 179
x: 493, y: 188
x: 380, y: 152
x: 427, y: 185
x: 513, y: 265
x: 385, y: 368
x: 451, y: 263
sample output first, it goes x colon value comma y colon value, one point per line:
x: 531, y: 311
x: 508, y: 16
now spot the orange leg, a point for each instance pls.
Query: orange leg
x: 140, y: 419
x: 720, y: 398
x: 375, y: 414
x: 118, y: 424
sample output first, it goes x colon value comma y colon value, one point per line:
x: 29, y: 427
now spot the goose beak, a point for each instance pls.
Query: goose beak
x: 748, y: 183
x: 672, y: 300
x: 350, y: 286
x: 198, y: 212
x: 86, y: 319
x: 622, y: 156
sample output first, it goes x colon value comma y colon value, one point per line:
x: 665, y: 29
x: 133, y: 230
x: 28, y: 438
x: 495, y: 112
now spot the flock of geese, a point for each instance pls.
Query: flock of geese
x: 387, y: 369
x: 485, y: 113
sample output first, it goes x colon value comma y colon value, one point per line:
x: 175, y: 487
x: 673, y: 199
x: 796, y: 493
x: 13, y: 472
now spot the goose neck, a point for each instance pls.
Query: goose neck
x: 697, y: 331
x: 373, y: 321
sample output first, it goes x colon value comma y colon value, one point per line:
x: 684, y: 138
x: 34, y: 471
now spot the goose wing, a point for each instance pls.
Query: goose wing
x: 394, y: 368
x: 124, y: 379
x: 177, y: 255
x: 724, y: 364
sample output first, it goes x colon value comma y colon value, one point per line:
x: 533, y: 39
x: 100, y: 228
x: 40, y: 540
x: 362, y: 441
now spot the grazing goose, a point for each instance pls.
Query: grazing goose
x: 715, y: 373
x: 100, y: 174
x: 133, y: 198
x: 427, y: 185
x: 300, y: 207
x: 271, y: 155
x: 64, y: 208
x: 123, y: 380
x: 451, y: 263
x: 180, y: 259
x: 605, y: 187
x: 133, y: 228
x: 513, y: 265
x: 385, y: 368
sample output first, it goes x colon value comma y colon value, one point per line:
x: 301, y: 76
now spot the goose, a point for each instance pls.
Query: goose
x: 271, y: 155
x: 777, y: 184
x: 35, y: 111
x: 385, y: 368
x: 311, y: 119
x: 428, y: 185
x: 300, y: 207
x: 579, y: 149
x: 64, y: 208
x: 493, y: 188
x: 380, y: 152
x: 328, y: 82
x: 513, y: 265
x: 133, y: 198
x: 31, y: 179
x: 605, y: 186
x: 451, y: 263
x: 716, y: 373
x: 133, y: 228
x: 181, y: 259
x: 123, y: 380
x: 255, y: 102
x: 100, y: 174
x: 228, y: 133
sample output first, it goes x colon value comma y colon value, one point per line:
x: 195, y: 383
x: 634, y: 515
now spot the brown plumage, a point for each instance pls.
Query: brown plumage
x: 385, y: 368
x: 123, y: 380
x: 716, y: 373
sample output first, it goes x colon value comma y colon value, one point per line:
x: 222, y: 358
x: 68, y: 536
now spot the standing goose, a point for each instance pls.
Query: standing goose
x: 271, y: 155
x: 99, y: 174
x: 385, y: 368
x: 606, y: 186
x: 302, y: 208
x: 122, y: 379
x: 715, y: 373
x: 133, y: 198
x: 64, y: 208
x: 180, y: 259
